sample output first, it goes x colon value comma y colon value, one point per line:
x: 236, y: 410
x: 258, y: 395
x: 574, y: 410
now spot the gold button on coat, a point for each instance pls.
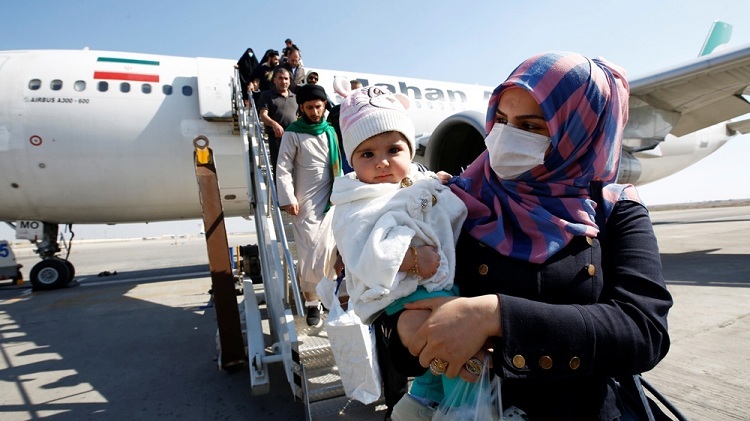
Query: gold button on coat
x: 483, y: 269
x: 434, y: 200
x: 591, y: 269
x: 590, y: 241
x: 545, y: 362
x: 574, y: 363
x: 406, y: 182
x: 519, y: 361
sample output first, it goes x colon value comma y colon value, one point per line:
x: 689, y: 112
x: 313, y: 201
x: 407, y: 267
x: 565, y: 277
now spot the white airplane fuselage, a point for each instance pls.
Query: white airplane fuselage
x: 73, y: 152
x: 83, y: 155
x: 79, y: 155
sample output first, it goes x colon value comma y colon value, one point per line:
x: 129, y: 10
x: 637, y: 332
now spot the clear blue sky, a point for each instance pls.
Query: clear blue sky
x: 468, y: 41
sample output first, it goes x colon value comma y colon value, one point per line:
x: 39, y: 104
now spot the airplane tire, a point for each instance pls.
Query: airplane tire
x: 49, y: 274
x: 71, y: 270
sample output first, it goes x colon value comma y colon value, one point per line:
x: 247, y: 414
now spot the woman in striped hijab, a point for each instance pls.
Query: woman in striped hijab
x: 568, y: 295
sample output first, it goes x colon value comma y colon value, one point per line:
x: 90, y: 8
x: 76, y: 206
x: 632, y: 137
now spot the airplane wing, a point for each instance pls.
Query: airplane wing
x: 703, y: 92
x: 740, y: 126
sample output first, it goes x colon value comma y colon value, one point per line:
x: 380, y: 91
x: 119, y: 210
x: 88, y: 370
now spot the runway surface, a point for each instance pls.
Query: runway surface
x: 140, y: 344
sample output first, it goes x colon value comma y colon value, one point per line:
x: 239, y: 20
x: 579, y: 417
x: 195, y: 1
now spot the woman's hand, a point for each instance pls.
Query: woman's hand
x: 480, y: 356
x: 456, y: 330
x: 408, y: 323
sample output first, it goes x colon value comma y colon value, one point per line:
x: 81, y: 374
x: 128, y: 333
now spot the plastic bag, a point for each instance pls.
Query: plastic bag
x: 326, y: 289
x: 353, y: 346
x: 480, y: 401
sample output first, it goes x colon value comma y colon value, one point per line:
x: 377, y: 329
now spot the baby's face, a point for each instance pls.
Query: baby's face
x: 383, y: 158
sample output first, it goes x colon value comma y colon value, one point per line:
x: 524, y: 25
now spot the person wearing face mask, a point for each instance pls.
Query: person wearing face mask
x: 312, y: 79
x: 246, y: 64
x: 557, y: 267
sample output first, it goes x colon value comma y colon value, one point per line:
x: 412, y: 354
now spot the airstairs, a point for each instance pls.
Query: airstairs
x: 271, y: 310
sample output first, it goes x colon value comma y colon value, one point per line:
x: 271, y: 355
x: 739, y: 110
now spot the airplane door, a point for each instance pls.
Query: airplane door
x: 215, y: 89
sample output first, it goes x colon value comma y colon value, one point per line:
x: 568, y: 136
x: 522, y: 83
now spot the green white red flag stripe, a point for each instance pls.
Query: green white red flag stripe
x: 122, y: 69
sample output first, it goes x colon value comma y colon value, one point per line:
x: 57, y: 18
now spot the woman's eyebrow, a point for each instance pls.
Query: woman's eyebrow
x: 523, y: 116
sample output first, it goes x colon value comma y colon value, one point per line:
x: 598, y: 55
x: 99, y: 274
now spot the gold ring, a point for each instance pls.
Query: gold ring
x: 438, y: 366
x: 474, y: 366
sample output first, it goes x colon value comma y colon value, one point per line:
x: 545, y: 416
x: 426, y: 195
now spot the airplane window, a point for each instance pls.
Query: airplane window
x: 79, y: 86
x: 167, y: 89
x: 187, y: 90
x: 55, y: 85
x: 125, y: 87
x: 146, y: 88
x: 35, y: 84
x: 103, y: 86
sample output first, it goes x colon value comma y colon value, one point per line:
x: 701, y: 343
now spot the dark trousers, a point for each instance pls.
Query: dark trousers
x: 274, y: 144
x: 394, y: 384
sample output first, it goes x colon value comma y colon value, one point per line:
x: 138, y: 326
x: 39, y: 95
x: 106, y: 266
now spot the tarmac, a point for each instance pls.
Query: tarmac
x: 139, y: 341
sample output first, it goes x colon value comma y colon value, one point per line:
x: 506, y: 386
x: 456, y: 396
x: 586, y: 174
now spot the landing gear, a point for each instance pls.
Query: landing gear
x: 50, y: 274
x: 53, y: 271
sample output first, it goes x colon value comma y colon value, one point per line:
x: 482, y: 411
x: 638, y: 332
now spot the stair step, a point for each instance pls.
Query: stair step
x: 343, y: 408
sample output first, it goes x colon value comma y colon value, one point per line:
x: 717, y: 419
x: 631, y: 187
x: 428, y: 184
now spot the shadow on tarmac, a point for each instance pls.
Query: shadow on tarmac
x: 152, y: 275
x: 113, y: 351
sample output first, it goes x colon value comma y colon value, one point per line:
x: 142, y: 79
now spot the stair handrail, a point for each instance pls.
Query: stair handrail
x: 256, y: 178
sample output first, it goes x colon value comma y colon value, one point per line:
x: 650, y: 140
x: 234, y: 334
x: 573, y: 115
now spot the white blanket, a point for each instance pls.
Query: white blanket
x: 374, y: 225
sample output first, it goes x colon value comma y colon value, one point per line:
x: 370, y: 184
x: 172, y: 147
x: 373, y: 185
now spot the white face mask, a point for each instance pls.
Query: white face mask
x: 514, y: 151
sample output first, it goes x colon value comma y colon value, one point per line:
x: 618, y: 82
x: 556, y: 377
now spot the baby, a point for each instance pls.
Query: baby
x: 395, y: 223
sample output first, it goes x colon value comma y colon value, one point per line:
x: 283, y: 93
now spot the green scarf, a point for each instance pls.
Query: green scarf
x: 302, y: 126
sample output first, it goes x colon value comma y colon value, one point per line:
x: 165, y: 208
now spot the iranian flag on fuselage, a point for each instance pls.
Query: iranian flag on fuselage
x: 115, y: 68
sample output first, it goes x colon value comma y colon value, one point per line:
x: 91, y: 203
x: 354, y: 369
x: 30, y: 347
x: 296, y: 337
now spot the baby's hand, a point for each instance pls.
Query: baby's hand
x: 428, y: 261
x: 443, y: 176
x: 338, y: 266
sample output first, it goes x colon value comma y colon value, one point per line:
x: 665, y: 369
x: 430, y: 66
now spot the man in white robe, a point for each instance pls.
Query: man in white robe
x: 309, y: 159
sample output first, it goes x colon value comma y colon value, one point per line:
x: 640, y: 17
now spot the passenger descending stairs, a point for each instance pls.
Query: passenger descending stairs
x: 272, y: 333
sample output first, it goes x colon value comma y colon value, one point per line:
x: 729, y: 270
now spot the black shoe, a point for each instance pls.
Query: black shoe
x: 313, y: 316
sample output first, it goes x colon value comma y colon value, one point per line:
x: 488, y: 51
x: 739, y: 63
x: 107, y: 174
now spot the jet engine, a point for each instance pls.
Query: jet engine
x: 456, y: 142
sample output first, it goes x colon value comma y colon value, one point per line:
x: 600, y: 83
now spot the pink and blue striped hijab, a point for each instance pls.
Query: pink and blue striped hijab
x: 585, y: 105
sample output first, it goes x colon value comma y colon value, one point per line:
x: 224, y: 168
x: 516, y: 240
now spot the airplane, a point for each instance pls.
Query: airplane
x: 92, y: 137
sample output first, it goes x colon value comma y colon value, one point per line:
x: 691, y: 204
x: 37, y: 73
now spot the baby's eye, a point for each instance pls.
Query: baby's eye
x: 394, y: 150
x: 367, y: 155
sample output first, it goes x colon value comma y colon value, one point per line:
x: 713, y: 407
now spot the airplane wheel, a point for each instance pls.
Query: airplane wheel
x: 49, y: 274
x: 71, y: 270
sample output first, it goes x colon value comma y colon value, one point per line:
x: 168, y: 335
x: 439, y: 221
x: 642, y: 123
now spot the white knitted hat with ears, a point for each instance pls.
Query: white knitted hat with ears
x: 367, y: 112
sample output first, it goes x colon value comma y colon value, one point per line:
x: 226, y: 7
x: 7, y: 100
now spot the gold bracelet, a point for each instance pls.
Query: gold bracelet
x: 414, y: 269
